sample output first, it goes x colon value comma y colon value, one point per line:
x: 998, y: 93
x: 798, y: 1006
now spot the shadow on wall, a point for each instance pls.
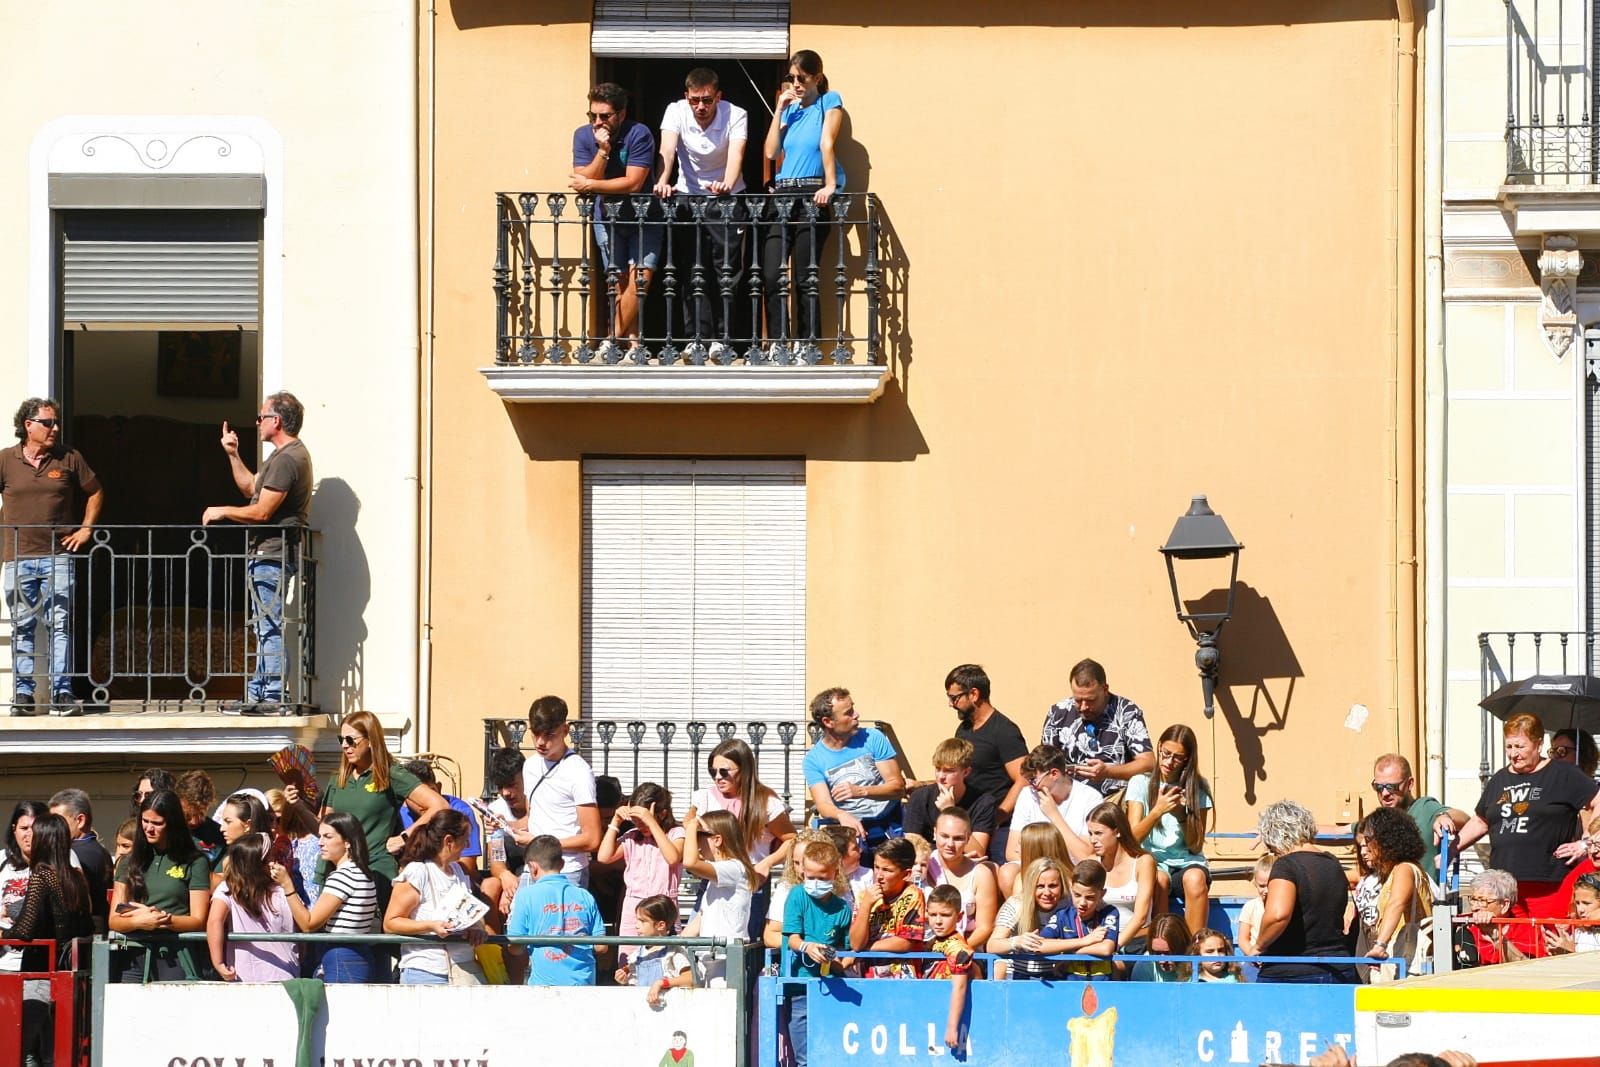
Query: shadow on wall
x: 476, y: 14
x: 344, y: 586
x: 885, y: 431
x: 1259, y: 662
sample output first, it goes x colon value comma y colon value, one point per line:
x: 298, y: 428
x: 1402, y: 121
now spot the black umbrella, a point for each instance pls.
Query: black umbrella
x: 1560, y: 701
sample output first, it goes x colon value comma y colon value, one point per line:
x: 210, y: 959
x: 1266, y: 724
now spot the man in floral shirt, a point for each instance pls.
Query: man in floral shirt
x: 1103, y: 735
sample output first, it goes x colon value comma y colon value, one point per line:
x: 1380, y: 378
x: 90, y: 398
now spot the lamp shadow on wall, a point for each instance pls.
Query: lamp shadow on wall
x: 344, y: 587
x: 1258, y: 662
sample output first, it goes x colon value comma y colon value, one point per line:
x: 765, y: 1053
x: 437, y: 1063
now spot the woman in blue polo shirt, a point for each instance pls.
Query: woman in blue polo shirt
x: 804, y: 132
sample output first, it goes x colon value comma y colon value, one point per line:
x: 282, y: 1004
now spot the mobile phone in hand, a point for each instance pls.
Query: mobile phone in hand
x: 124, y: 908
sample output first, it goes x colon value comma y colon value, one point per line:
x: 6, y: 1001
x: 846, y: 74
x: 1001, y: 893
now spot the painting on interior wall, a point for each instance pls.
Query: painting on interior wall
x: 199, y: 363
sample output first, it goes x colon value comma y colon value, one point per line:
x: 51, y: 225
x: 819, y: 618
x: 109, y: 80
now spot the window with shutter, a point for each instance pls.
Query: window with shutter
x: 694, y: 610
x: 746, y: 29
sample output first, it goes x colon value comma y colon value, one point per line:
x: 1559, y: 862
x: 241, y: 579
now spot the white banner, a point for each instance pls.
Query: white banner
x: 178, y: 1024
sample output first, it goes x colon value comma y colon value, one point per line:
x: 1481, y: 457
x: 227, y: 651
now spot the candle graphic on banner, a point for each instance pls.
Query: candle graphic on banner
x: 1093, y: 1040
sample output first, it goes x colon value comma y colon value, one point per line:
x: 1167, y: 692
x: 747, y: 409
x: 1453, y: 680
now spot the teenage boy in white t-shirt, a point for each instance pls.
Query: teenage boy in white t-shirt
x: 1050, y: 796
x: 561, y: 799
x: 704, y: 136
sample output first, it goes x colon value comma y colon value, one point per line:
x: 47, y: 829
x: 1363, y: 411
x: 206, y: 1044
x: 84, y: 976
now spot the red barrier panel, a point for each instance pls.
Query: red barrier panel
x: 69, y: 991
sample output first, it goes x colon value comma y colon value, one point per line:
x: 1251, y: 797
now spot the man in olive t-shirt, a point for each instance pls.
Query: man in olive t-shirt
x: 280, y: 502
x: 42, y: 486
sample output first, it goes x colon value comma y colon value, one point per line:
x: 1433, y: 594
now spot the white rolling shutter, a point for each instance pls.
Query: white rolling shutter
x: 150, y: 268
x: 694, y: 609
x: 745, y: 29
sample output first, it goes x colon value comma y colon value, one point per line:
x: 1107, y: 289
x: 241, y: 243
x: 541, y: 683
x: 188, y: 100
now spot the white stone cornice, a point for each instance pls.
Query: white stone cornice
x: 622, y: 384
x: 157, y: 732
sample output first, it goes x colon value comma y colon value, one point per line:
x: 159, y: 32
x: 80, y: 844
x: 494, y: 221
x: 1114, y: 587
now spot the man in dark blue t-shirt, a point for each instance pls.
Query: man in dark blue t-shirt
x: 612, y: 156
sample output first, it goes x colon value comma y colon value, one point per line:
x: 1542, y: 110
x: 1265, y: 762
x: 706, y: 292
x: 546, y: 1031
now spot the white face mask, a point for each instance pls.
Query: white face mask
x: 818, y: 888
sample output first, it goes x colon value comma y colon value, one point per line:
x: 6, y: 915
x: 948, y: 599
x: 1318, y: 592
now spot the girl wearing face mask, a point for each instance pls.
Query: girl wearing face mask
x: 816, y: 926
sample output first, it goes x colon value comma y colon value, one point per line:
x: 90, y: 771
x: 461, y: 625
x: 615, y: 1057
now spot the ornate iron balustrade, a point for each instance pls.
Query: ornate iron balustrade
x: 673, y: 754
x: 1507, y: 655
x: 157, y: 617
x: 1552, y: 104
x: 557, y: 301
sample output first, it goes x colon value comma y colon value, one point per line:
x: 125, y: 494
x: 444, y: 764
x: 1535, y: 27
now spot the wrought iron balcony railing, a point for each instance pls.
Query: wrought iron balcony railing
x: 1552, y: 106
x: 1510, y: 655
x: 151, y: 618
x: 673, y: 754
x: 797, y: 285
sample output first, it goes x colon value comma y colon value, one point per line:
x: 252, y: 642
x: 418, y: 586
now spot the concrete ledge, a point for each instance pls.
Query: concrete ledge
x: 600, y: 384
x: 1542, y: 209
x: 156, y: 731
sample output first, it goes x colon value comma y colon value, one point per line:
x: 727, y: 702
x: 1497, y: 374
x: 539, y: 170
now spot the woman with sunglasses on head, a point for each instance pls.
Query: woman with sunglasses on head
x: 153, y: 780
x: 373, y: 788
x: 764, y: 820
x: 164, y: 885
x: 805, y: 131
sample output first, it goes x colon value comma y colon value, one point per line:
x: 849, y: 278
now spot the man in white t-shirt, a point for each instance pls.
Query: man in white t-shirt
x: 704, y: 136
x: 561, y: 799
x: 1069, y: 803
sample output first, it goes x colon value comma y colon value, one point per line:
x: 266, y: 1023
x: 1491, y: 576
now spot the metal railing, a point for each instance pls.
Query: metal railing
x: 153, y: 617
x: 1551, y: 109
x: 673, y: 754
x: 1507, y: 655
x: 723, y: 260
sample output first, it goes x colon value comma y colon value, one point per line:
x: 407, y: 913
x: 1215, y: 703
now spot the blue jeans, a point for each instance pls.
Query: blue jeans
x: 412, y: 976
x: 347, y: 965
x: 34, y: 587
x: 797, y: 1028
x: 267, y: 580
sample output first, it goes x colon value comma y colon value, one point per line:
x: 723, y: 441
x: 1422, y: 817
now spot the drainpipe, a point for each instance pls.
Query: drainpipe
x: 1432, y: 771
x: 1401, y: 501
x: 423, y: 101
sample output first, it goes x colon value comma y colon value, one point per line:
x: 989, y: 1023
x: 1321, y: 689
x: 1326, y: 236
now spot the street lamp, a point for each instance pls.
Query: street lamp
x: 1201, y: 534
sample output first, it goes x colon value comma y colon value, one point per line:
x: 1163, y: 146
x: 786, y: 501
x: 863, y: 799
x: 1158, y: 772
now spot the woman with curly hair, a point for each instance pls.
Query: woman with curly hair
x: 1391, y: 848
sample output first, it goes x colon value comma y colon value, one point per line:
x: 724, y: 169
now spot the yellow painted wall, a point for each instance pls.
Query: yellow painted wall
x: 1142, y: 261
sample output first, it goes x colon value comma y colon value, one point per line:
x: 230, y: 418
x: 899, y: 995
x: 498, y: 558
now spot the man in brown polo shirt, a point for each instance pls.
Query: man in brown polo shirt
x: 43, y: 491
x: 280, y: 503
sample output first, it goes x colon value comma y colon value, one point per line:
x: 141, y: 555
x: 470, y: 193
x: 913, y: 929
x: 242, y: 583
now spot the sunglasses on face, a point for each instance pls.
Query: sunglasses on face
x: 1562, y: 751
x: 262, y: 418
x: 346, y: 741
x: 600, y: 116
x: 48, y: 424
x: 724, y: 772
x: 1385, y: 788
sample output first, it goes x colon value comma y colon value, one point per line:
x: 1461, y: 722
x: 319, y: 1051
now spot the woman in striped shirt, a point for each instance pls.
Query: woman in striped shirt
x: 348, y: 903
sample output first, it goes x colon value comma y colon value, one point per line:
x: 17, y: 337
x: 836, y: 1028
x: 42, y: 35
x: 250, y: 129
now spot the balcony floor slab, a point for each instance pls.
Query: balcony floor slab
x: 164, y: 731
x: 602, y: 384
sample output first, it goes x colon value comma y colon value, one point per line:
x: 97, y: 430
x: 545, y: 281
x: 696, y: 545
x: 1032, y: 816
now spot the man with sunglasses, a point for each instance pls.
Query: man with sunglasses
x: 612, y: 156
x: 43, y: 491
x: 280, y: 503
x: 704, y: 136
x: 1394, y: 785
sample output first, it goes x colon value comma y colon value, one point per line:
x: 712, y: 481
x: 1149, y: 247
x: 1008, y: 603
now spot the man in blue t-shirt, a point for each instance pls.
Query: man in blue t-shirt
x: 553, y: 907
x: 612, y: 156
x: 852, y: 772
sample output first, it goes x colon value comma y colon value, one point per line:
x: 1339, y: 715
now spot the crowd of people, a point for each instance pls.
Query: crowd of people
x: 700, y: 152
x: 1089, y: 845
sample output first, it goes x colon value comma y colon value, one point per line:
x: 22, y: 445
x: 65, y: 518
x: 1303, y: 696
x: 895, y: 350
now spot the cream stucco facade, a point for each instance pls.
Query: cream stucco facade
x: 321, y: 104
x: 1508, y: 502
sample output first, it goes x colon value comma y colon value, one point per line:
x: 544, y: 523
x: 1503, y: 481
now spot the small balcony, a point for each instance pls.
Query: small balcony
x: 158, y: 631
x: 1552, y: 113
x: 754, y: 299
